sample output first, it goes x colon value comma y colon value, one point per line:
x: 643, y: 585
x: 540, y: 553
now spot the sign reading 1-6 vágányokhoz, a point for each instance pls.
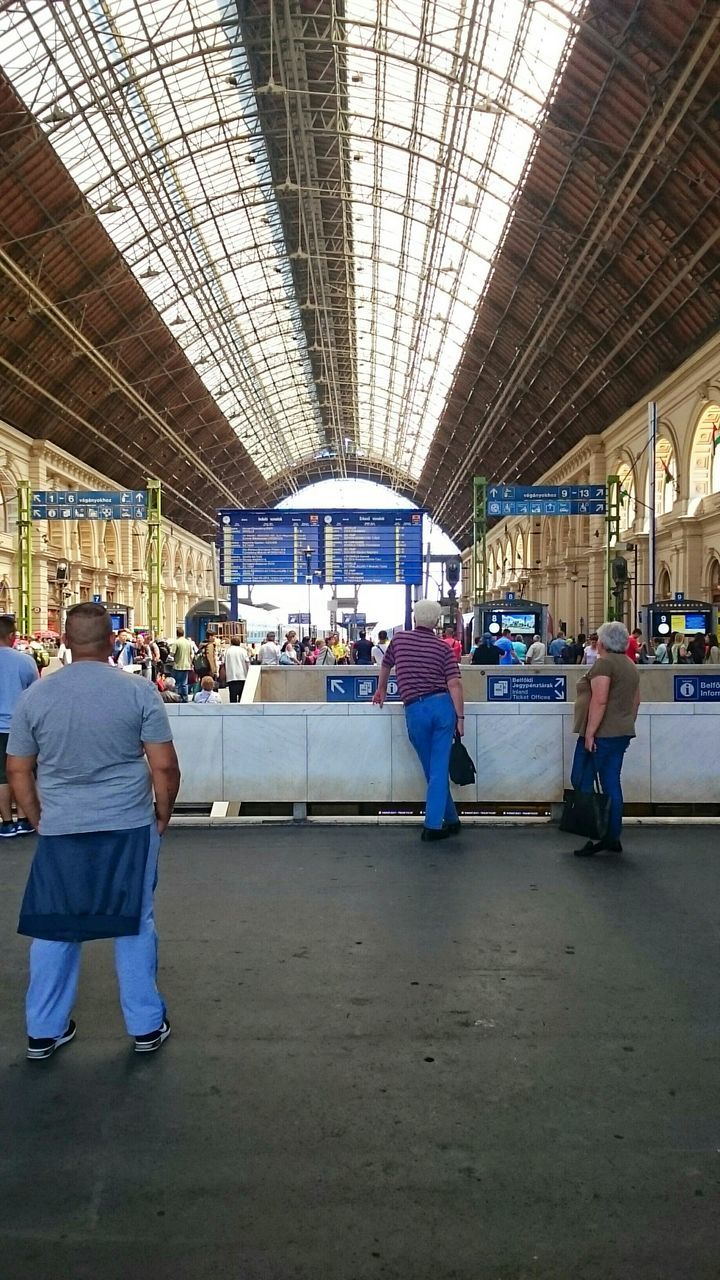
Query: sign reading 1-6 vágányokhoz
x: 511, y: 688
x: 97, y: 504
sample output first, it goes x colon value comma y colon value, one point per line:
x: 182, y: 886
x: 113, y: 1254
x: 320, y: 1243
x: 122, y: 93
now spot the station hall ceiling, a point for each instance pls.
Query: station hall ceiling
x: 249, y: 244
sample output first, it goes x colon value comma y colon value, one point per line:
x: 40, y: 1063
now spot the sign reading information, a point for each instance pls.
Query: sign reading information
x: 696, y: 688
x: 357, y: 689
x: 511, y: 688
x: 546, y: 500
x: 99, y: 504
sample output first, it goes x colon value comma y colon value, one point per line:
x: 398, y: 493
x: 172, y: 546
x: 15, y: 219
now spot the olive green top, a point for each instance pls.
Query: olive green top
x: 619, y: 718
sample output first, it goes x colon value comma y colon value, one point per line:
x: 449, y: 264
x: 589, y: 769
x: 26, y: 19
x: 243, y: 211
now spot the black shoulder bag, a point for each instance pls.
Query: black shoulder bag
x: 462, y: 769
x: 587, y: 813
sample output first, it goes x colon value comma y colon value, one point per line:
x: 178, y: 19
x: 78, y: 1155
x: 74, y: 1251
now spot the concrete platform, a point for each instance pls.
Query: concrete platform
x: 477, y: 1060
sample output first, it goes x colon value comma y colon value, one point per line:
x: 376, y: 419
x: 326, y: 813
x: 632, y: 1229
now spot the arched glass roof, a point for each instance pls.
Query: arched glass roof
x: 313, y: 199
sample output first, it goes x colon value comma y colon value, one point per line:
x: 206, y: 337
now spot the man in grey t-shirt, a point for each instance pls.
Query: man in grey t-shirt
x: 101, y: 744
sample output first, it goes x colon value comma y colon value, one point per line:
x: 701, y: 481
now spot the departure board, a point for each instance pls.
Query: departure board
x: 372, y: 546
x: 353, y: 547
x: 268, y: 546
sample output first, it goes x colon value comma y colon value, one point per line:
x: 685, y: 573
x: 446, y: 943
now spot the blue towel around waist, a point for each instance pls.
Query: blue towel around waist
x: 86, y: 886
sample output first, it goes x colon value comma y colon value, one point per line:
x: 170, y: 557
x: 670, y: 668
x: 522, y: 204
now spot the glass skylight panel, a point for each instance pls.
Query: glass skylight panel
x: 459, y: 103
x: 151, y: 107
x: 135, y: 105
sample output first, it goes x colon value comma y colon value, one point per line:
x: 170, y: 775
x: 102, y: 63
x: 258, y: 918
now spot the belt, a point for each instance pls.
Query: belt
x: 409, y: 702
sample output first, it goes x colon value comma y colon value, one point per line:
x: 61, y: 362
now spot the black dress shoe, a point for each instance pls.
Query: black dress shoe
x: 435, y: 833
x: 452, y: 828
x: 589, y: 850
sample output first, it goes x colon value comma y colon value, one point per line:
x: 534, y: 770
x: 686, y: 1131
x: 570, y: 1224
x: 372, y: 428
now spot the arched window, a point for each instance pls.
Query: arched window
x: 508, y: 561
x: 519, y: 554
x: 628, y: 502
x: 705, y: 458
x: 8, y: 503
x: 714, y: 582
x: 666, y: 477
x: 664, y: 585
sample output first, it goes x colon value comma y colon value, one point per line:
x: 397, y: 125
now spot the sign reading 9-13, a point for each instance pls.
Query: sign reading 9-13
x: 337, y: 546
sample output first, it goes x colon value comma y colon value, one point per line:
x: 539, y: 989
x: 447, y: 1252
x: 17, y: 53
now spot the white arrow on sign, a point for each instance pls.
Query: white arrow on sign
x: 337, y: 686
x: 560, y: 688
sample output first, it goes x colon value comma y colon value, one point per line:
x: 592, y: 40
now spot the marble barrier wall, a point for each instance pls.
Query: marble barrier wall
x: 308, y: 684
x: 350, y: 753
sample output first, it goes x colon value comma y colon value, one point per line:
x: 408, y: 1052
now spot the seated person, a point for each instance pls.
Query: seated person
x: 207, y: 691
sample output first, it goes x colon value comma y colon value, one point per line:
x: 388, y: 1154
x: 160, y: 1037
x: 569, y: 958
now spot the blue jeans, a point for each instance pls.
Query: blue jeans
x: 55, y: 969
x: 608, y: 759
x: 181, y: 683
x: 431, y: 726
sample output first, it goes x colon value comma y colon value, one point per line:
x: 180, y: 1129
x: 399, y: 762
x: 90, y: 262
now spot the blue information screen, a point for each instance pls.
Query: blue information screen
x: 372, y: 546
x: 354, y: 547
x: 268, y: 546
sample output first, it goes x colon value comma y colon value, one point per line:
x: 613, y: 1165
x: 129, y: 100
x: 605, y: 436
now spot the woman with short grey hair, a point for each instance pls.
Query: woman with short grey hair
x: 614, y: 636
x: 606, y: 706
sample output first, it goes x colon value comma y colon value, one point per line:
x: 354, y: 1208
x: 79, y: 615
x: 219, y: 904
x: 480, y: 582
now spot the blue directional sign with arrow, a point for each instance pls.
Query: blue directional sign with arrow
x: 547, y: 500
x: 357, y: 689
x: 99, y: 504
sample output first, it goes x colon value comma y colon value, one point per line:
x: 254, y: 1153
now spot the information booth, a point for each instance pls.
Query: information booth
x: 686, y: 617
x: 525, y: 618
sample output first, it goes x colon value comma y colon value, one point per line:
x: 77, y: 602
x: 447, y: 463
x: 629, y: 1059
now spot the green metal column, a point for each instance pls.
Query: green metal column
x: 154, y: 556
x: 479, y: 553
x: 612, y: 521
x: 24, y: 554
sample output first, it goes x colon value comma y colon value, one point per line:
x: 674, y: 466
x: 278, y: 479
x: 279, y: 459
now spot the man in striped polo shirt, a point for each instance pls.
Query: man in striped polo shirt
x: 428, y: 678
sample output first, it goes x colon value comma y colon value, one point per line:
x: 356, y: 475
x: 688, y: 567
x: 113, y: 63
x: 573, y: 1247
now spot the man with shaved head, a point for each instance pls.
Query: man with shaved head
x: 87, y: 750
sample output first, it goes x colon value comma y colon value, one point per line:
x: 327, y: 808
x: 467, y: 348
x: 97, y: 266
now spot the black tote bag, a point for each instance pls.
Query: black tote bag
x: 587, y: 813
x: 462, y: 769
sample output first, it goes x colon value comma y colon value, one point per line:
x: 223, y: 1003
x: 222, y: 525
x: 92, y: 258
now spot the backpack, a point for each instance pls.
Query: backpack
x: 568, y: 654
x: 201, y: 665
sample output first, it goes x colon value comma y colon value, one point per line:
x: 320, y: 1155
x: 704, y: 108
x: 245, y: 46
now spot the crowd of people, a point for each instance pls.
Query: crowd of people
x: 582, y: 650
x: 100, y: 818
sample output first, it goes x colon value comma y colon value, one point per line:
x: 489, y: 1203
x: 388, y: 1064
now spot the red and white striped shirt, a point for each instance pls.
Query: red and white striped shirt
x: 423, y: 663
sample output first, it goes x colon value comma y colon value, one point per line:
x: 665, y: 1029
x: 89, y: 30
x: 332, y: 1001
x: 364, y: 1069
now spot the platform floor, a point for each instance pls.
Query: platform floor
x: 476, y: 1060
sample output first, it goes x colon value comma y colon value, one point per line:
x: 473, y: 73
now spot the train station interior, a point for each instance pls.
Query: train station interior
x: 469, y: 251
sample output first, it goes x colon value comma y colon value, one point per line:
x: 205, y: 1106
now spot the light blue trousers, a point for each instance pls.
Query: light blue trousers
x: 55, y: 969
x: 431, y: 728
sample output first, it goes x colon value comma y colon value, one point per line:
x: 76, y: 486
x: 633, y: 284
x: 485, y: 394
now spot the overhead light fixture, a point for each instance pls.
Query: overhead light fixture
x: 488, y: 106
x: 149, y: 274
x: 59, y: 115
x: 110, y: 206
x: 177, y: 321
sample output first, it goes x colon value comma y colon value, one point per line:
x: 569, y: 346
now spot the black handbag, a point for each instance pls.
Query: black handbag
x: 587, y: 813
x: 462, y: 769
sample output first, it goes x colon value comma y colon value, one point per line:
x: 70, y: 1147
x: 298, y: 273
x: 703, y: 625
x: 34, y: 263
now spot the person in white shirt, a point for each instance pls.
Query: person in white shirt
x: 537, y: 653
x: 237, y: 665
x: 590, y: 653
x: 207, y: 691
x: 270, y: 651
x: 380, y: 649
x: 64, y: 654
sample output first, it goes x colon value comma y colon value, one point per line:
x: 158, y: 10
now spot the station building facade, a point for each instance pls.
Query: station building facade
x: 105, y: 558
x: 561, y: 561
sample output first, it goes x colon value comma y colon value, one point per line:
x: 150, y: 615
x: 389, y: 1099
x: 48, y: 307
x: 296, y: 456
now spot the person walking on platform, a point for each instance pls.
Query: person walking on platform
x: 237, y: 665
x: 362, y: 650
x: 101, y: 746
x: 428, y: 678
x: 182, y: 652
x: 18, y: 672
x: 606, y: 706
x: 379, y: 649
